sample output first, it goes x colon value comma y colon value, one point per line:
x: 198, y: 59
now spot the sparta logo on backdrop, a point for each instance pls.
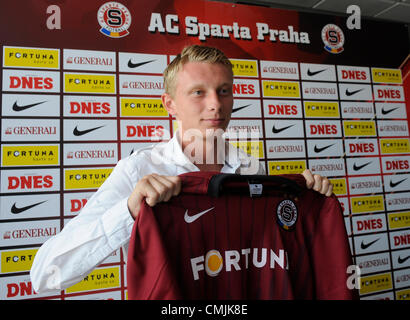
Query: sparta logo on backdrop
x: 114, y: 19
x: 333, y: 38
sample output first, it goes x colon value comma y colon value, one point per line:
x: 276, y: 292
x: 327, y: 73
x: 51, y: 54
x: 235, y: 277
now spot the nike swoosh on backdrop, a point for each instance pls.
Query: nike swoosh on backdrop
x: 357, y: 168
x: 388, y: 111
x: 318, y: 150
x: 366, y: 245
x: 16, y: 210
x: 18, y: 108
x: 312, y: 73
x: 402, y: 260
x: 274, y: 130
x: 240, y: 108
x: 77, y: 132
x: 136, y: 65
x: 190, y: 219
x: 395, y: 184
x: 350, y: 93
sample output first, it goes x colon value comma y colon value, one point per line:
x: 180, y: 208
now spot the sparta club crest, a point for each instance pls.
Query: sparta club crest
x: 287, y: 214
x: 114, y: 19
x: 333, y: 38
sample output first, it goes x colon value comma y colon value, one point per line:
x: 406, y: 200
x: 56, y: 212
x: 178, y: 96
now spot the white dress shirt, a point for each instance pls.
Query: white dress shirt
x: 105, y: 223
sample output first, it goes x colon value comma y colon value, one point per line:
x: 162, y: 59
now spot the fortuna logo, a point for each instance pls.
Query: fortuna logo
x: 77, y: 132
x: 312, y: 73
x: 190, y: 219
x: 18, y: 108
x: 350, y: 93
x: 16, y: 210
x: 364, y: 246
x: 274, y: 130
x: 395, y: 184
x: 213, y: 262
x: 136, y: 65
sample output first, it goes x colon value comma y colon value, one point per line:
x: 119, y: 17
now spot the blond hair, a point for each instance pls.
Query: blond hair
x: 192, y: 53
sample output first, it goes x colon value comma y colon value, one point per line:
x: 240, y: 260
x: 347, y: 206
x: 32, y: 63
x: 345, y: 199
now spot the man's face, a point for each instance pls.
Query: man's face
x: 203, y: 97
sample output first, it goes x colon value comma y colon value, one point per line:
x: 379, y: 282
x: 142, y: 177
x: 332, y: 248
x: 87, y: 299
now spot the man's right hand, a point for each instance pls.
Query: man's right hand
x: 154, y: 188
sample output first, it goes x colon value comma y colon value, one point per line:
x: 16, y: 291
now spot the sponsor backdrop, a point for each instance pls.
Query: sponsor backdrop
x: 81, y: 85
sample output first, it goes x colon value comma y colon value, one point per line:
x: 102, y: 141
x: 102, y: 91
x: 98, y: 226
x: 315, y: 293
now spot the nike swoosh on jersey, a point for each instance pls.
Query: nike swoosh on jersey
x: 274, y: 130
x: 136, y: 65
x: 18, y: 108
x: 190, y: 219
x: 357, y: 168
x: 401, y: 260
x: 388, y: 111
x: 16, y: 210
x: 312, y: 73
x: 395, y: 184
x: 318, y: 150
x: 366, y: 245
x: 77, y: 132
x: 350, y: 93
x: 240, y: 108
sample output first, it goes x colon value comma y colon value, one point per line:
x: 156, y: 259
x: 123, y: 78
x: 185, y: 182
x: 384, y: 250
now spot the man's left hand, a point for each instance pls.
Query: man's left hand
x: 318, y: 183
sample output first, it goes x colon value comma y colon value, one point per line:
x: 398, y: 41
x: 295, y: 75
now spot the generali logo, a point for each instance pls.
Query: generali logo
x: 30, y: 130
x: 141, y: 85
x: 32, y: 232
x: 85, y: 154
x: 89, y: 60
x: 319, y: 90
x: 279, y: 70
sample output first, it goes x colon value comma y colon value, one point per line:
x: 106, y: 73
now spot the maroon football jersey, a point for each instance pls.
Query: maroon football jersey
x: 229, y: 236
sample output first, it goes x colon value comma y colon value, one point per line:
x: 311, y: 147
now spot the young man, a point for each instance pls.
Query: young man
x: 198, y: 93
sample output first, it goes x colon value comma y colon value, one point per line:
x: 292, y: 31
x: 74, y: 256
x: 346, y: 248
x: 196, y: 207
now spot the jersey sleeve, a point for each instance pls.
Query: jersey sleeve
x: 149, y: 274
x: 331, y: 254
